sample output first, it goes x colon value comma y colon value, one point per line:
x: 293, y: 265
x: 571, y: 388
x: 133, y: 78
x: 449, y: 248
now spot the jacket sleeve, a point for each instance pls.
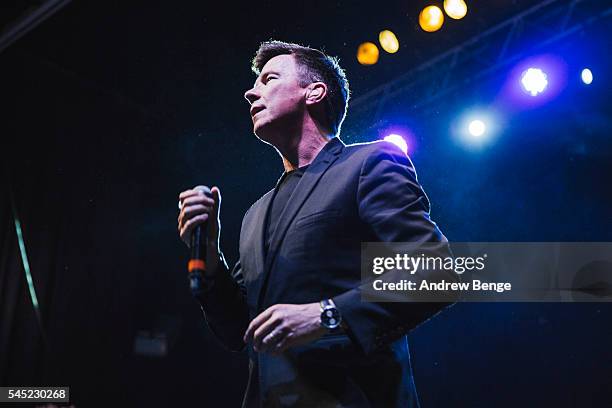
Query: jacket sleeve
x: 392, y: 203
x: 225, y: 308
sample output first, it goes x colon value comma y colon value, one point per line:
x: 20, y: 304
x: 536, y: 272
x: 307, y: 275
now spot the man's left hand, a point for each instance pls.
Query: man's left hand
x: 282, y: 326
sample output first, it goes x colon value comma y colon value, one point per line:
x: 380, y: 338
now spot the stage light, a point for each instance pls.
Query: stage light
x: 477, y: 128
x: 456, y: 9
x: 534, y: 81
x: 367, y: 53
x: 398, y: 141
x: 431, y: 18
x: 587, y: 76
x: 388, y: 41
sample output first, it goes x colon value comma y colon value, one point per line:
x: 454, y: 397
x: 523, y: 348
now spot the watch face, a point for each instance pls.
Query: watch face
x: 330, y: 318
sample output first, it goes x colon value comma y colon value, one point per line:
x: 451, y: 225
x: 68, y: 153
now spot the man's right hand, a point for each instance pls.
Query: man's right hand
x: 197, y: 208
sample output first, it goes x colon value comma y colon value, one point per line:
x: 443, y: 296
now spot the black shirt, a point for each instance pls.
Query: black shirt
x: 282, y: 194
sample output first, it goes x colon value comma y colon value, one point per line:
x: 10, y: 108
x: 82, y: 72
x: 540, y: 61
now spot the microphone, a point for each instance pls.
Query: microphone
x: 197, y: 262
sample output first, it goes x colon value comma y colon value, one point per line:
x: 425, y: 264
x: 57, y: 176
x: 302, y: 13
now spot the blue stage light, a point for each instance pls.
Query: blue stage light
x: 534, y: 81
x: 587, y: 76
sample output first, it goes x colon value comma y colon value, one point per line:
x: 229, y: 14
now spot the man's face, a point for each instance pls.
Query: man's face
x: 276, y: 99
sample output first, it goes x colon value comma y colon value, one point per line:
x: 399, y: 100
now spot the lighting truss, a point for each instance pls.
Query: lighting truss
x: 499, y: 46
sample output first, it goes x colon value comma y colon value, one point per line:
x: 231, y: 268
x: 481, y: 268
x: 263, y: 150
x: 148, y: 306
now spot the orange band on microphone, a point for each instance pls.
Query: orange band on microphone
x: 196, y: 264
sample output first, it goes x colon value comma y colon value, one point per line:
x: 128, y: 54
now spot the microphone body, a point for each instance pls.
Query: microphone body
x: 197, y: 262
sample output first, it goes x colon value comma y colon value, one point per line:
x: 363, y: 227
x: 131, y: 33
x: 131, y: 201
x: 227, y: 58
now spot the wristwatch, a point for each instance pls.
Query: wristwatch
x: 330, y: 315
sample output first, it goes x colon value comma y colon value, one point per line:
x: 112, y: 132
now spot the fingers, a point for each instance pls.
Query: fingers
x: 198, y: 192
x: 267, y: 330
x: 196, y: 206
x: 187, y: 228
x: 197, y: 198
x: 256, y: 322
x: 194, y: 191
x: 283, y: 344
x: 267, y: 334
x: 189, y: 193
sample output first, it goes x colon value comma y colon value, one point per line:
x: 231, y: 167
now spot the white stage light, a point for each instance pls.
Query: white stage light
x: 534, y: 81
x: 587, y: 76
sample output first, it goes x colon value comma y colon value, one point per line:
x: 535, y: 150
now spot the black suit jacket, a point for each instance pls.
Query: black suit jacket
x: 348, y: 195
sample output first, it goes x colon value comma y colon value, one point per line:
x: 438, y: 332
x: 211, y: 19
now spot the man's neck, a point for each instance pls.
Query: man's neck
x: 304, y: 151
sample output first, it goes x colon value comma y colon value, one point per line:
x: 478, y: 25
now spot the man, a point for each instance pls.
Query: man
x: 293, y: 298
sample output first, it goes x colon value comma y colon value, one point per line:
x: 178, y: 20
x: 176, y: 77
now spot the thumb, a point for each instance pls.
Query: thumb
x: 216, y: 195
x: 214, y: 224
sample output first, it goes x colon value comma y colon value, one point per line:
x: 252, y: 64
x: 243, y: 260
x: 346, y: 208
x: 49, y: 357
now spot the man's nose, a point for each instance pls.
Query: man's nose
x: 251, y: 95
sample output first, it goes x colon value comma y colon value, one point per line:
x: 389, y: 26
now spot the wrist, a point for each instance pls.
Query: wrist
x: 330, y: 318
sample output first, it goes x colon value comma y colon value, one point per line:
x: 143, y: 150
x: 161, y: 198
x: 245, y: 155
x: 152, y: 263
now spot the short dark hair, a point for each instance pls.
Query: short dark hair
x: 313, y: 66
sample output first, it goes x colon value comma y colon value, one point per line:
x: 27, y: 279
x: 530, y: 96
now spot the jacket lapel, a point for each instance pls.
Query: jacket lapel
x: 255, y: 279
x: 309, y: 180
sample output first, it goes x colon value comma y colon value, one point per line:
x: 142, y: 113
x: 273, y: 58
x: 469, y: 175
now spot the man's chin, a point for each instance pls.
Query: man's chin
x: 263, y: 134
x: 271, y: 132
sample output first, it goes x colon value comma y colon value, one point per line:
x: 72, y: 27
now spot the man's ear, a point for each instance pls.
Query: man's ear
x: 316, y: 92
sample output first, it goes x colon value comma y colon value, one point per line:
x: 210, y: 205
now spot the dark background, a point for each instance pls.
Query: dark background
x: 113, y: 108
